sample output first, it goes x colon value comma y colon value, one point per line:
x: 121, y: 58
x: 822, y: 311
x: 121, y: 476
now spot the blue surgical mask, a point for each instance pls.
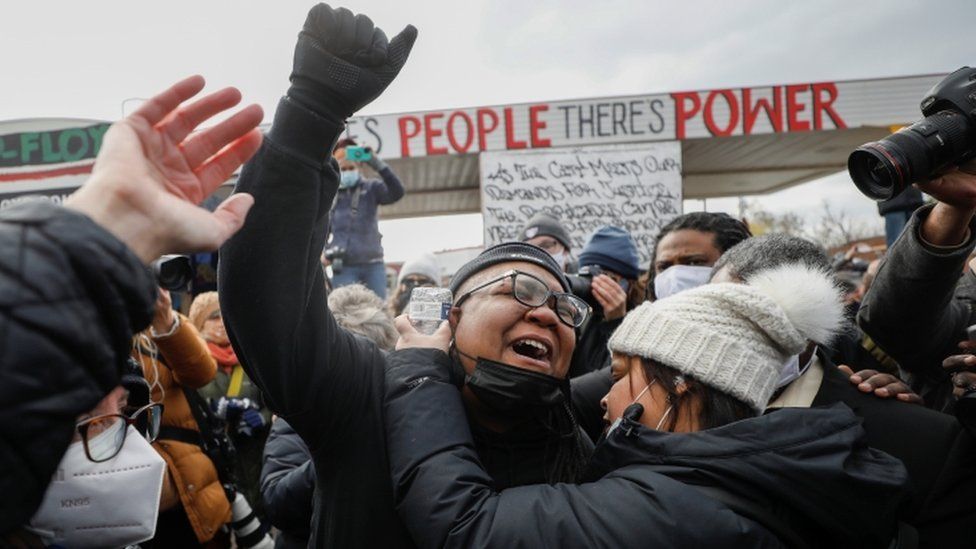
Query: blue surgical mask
x: 348, y: 179
x: 793, y: 371
x: 678, y: 278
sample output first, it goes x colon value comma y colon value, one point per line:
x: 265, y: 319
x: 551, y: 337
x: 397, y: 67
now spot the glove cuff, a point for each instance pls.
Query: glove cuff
x: 303, y: 132
x: 376, y: 163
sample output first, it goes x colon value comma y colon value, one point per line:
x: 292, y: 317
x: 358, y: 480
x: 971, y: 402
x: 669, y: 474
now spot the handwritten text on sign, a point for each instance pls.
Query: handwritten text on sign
x: 635, y: 187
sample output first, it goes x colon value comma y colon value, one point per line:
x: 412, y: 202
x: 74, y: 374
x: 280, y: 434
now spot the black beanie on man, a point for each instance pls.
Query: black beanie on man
x: 509, y: 251
x: 543, y: 224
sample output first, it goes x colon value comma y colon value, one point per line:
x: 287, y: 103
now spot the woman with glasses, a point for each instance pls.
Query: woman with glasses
x: 687, y: 461
x: 174, y: 359
x: 106, y: 492
x: 234, y: 399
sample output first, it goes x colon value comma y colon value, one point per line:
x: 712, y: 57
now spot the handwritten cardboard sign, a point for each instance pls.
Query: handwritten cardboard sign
x: 634, y: 187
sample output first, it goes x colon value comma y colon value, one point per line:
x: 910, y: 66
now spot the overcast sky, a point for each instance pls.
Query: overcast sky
x: 83, y: 59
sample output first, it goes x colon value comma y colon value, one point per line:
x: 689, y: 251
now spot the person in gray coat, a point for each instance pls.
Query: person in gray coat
x: 918, y: 309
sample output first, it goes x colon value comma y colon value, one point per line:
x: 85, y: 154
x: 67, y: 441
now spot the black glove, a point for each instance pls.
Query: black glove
x: 374, y: 161
x: 342, y: 62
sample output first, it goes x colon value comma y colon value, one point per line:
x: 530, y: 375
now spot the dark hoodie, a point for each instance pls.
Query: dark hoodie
x: 808, y: 466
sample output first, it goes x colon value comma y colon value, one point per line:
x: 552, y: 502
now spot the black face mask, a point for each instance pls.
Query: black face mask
x: 516, y: 393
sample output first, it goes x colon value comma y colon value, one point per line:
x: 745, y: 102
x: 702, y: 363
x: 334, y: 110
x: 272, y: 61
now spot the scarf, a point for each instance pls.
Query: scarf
x: 224, y: 355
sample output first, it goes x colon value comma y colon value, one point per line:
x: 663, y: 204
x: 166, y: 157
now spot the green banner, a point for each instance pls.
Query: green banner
x: 51, y: 147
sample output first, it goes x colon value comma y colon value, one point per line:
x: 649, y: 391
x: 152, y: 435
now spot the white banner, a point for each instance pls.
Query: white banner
x: 634, y: 187
x: 781, y: 108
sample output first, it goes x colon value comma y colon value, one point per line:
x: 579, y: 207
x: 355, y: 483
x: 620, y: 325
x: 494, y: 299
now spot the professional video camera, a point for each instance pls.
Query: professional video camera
x: 173, y: 272
x: 945, y: 137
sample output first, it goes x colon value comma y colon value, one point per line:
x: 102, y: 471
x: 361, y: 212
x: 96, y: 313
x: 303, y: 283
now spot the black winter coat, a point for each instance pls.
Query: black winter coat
x: 326, y: 382
x: 906, y: 201
x: 810, y: 465
x: 71, y: 296
x: 939, y: 455
x: 287, y: 485
x: 591, y: 351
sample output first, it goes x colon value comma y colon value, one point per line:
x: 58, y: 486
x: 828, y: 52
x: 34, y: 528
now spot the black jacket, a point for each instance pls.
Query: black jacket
x: 71, y: 296
x: 326, y: 382
x: 591, y: 351
x: 938, y: 453
x: 287, y: 485
x: 908, y: 200
x: 911, y: 313
x: 809, y: 467
x: 586, y: 392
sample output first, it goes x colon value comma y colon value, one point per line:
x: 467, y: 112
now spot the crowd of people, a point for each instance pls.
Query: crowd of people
x: 739, y: 390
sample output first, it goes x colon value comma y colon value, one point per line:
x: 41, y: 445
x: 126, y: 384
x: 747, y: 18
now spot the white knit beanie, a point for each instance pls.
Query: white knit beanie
x: 426, y: 265
x: 736, y: 337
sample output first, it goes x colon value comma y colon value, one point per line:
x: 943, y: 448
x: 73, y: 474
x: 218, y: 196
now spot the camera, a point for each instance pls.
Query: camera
x: 581, y: 285
x: 173, y: 272
x: 248, y: 530
x: 337, y: 258
x: 358, y: 154
x: 946, y: 136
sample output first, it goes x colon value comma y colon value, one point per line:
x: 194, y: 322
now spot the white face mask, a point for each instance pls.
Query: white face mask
x: 678, y: 278
x: 792, y: 370
x: 560, y: 259
x: 109, y: 504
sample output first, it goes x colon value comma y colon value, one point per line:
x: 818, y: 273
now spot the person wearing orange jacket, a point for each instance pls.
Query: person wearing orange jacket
x: 234, y: 399
x: 193, y: 504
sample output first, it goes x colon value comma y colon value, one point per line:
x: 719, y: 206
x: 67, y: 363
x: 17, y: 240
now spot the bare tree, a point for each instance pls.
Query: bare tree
x: 762, y: 221
x: 836, y: 228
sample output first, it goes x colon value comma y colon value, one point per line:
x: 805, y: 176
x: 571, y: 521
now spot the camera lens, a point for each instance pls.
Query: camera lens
x: 884, y: 168
x: 876, y: 172
x: 173, y: 272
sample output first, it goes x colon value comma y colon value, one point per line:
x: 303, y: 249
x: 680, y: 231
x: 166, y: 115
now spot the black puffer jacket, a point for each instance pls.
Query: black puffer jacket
x: 808, y: 466
x: 71, y: 295
x: 287, y: 485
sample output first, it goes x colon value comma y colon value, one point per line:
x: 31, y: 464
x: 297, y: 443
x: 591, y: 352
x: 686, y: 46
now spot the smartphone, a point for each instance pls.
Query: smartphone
x: 358, y: 154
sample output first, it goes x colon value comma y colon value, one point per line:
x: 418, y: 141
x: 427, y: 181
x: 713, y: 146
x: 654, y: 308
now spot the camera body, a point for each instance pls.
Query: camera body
x: 358, y: 154
x: 173, y: 272
x: 337, y: 258
x: 945, y: 137
x: 581, y: 285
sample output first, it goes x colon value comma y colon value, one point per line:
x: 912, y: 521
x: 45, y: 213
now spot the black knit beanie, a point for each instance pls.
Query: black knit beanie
x: 509, y: 251
x: 543, y: 224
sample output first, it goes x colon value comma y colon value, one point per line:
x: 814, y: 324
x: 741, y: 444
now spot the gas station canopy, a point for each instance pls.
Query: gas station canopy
x: 735, y: 141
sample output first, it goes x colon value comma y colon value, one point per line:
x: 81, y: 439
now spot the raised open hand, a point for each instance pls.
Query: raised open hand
x: 342, y: 61
x: 151, y: 173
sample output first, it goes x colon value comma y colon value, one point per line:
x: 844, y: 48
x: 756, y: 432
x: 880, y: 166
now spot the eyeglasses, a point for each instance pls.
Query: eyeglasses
x: 411, y: 282
x: 533, y: 292
x: 549, y: 244
x: 104, y: 435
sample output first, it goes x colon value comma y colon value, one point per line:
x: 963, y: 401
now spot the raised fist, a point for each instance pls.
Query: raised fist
x: 342, y: 62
